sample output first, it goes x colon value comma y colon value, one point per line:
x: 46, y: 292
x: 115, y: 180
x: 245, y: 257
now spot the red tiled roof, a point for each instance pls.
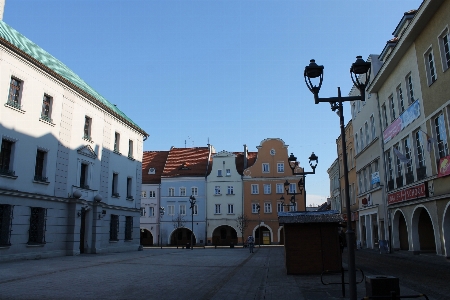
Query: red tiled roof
x: 153, y: 159
x: 251, y: 158
x: 188, y: 162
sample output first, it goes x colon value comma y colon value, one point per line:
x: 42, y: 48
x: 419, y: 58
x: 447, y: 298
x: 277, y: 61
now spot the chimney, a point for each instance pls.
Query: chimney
x: 245, y: 156
x: 2, y: 8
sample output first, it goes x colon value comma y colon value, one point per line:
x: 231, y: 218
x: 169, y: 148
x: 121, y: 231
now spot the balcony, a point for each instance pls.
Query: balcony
x: 40, y: 178
x: 421, y: 173
x: 399, y: 181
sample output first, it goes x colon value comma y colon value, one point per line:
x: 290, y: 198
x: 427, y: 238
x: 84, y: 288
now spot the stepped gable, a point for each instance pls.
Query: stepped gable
x: 193, y: 162
x: 156, y: 161
x: 251, y: 159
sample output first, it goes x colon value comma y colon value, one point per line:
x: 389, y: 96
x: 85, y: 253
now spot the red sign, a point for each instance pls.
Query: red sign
x: 444, y: 166
x: 411, y: 193
x: 392, y: 130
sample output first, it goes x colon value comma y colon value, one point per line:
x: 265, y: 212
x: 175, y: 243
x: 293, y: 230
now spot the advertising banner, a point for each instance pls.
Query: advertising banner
x: 406, y: 118
x: 444, y: 166
x: 375, y: 178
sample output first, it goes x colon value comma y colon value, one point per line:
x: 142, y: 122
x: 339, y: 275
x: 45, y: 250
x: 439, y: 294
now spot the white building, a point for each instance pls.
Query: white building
x: 70, y: 161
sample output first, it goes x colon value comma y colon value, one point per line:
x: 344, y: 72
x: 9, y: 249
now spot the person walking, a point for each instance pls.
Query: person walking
x: 250, y: 243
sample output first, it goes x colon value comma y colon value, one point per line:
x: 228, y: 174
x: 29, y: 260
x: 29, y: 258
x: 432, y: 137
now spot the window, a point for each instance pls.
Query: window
x: 399, y: 163
x: 401, y: 104
x: 265, y: 168
x: 280, y: 207
x: 129, y: 188
x: 142, y: 211
x: 115, y: 182
x: 87, y: 128
x: 280, y: 167
x: 171, y: 210
x: 84, y: 175
x: 255, y: 208
x: 36, y: 233
x: 407, y: 147
x: 171, y: 192
x: 217, y: 211
x: 182, y: 191
x: 130, y: 148
x: 445, y: 52
x: 15, y: 93
x: 361, y: 137
x: 267, y: 208
x: 383, y: 109
x: 143, y: 194
x: 217, y: 190
x: 360, y: 184
x: 364, y: 180
x: 194, y: 191
x: 230, y: 190
x: 46, y: 108
x: 5, y: 224
x: 255, y: 189
x: 392, y: 105
x: 195, y: 208
x: 410, y: 87
x: 280, y: 188
x: 230, y: 209
x: 441, y: 136
x: 116, y: 142
x: 267, y: 189
x: 182, y: 210
x: 357, y: 142
x: 6, y: 155
x: 152, y: 194
x: 39, y: 168
x: 419, y: 149
x: 228, y: 171
x: 369, y: 175
x: 366, y: 129
x: 219, y: 173
x: 389, y: 165
x: 372, y: 126
x: 353, y: 193
x: 429, y: 66
x: 128, y: 228
x: 292, y: 188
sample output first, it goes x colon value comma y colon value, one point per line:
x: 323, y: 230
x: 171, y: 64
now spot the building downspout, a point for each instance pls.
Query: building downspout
x: 206, y: 194
x: 387, y: 220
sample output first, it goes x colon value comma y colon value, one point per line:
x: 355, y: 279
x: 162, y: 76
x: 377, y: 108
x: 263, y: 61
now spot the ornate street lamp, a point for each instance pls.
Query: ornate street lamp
x: 293, y: 164
x: 161, y: 214
x: 192, y: 201
x: 359, y: 67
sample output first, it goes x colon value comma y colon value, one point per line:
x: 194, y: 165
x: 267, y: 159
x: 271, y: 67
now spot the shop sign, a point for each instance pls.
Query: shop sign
x: 411, y: 193
x: 375, y: 178
x: 444, y: 166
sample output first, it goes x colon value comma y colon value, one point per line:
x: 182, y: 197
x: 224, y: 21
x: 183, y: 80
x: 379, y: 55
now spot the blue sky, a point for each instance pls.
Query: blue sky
x: 230, y: 72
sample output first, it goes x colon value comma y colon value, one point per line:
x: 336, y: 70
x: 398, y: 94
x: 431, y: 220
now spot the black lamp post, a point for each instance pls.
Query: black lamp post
x: 359, y: 67
x: 192, y: 201
x: 161, y: 214
x: 293, y: 164
x: 258, y: 208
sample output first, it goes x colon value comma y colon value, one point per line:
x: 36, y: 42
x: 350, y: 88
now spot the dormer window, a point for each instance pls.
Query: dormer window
x: 151, y: 171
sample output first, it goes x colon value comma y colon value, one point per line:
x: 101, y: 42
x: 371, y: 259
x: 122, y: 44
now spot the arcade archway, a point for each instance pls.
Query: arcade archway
x: 180, y: 237
x: 146, y: 238
x: 224, y: 235
x: 264, y: 232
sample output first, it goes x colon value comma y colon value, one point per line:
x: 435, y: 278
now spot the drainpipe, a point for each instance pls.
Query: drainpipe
x: 206, y: 195
x: 383, y: 163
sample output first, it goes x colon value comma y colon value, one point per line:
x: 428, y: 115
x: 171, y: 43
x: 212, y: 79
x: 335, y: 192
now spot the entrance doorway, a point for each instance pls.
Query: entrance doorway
x: 224, y: 235
x: 82, y: 229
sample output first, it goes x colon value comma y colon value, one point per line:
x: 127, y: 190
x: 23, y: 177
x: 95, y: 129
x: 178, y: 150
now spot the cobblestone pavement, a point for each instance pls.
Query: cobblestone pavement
x: 426, y: 273
x: 169, y: 273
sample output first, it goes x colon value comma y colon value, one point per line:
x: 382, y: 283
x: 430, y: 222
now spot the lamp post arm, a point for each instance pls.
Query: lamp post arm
x: 339, y: 99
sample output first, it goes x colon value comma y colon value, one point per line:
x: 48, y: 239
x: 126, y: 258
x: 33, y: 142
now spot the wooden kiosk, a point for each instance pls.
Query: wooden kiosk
x: 311, y: 241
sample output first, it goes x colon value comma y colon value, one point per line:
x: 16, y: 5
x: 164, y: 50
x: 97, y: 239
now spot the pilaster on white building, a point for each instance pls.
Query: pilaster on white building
x: 70, y: 163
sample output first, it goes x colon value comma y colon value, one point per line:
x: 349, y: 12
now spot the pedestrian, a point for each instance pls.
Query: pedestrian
x: 250, y: 243
x: 342, y: 239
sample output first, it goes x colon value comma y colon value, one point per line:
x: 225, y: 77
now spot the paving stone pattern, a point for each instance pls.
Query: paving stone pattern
x: 167, y: 273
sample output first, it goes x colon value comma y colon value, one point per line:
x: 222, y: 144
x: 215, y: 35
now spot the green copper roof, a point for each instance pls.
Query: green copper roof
x: 28, y: 47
